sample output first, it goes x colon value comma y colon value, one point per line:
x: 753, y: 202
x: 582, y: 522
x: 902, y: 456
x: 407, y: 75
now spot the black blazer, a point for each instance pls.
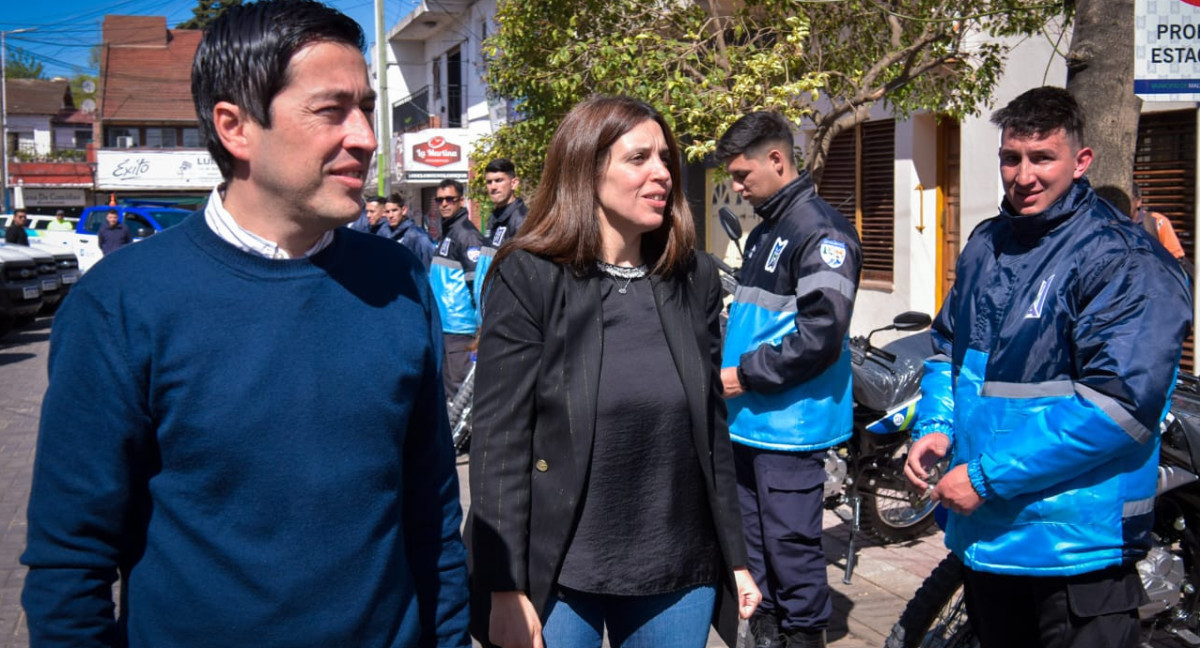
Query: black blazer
x: 536, y: 382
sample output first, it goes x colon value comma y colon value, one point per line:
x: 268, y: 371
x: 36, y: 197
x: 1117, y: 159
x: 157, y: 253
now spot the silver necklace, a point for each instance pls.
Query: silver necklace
x: 623, y: 272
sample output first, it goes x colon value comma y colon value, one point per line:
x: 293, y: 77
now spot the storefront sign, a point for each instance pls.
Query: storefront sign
x: 435, y: 154
x: 160, y: 170
x: 1167, y: 50
x: 54, y: 197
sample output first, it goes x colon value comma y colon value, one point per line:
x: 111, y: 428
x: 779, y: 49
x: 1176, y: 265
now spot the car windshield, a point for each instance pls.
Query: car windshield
x: 168, y: 217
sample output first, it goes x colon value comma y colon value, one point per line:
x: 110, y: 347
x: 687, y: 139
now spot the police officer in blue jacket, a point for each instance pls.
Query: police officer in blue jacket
x: 786, y: 373
x: 1057, y: 350
x: 452, y: 274
x: 508, y: 212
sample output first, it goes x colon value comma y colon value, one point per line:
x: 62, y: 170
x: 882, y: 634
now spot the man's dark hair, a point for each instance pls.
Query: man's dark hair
x: 1040, y: 112
x: 244, y: 56
x: 501, y: 165
x: 19, y: 211
x: 113, y: 211
x: 450, y: 182
x: 753, y: 133
x: 396, y: 199
x: 376, y: 199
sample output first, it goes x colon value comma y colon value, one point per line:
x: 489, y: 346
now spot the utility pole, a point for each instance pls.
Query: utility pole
x: 4, y: 112
x: 382, y: 106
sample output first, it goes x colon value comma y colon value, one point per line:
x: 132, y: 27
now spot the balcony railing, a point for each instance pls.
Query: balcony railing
x: 412, y: 113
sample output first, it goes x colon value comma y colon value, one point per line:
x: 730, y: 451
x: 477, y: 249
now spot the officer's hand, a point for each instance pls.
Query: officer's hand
x: 729, y: 382
x: 925, y: 452
x: 748, y: 595
x: 513, y: 622
x: 955, y: 492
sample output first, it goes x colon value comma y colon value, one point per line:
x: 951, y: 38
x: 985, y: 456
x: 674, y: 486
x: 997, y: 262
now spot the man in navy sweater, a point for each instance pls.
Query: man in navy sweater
x: 210, y: 436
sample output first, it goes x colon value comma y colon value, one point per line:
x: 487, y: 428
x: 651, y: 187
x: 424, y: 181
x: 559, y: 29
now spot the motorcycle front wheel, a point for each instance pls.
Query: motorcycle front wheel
x: 891, y: 513
x: 936, y: 617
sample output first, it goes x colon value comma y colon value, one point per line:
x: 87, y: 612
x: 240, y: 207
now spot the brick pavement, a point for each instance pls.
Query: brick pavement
x: 22, y: 384
x: 864, y: 611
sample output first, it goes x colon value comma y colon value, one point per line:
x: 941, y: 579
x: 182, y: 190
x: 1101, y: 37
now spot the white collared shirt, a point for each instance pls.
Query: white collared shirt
x: 221, y: 222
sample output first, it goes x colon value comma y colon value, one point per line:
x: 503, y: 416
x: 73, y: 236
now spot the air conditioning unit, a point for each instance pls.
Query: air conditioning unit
x: 125, y: 142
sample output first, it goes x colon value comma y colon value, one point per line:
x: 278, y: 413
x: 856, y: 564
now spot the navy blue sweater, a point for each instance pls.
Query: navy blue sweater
x: 257, y: 447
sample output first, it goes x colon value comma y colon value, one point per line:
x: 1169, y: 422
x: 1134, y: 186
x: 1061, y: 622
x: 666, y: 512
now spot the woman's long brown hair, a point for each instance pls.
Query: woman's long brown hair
x: 562, y: 224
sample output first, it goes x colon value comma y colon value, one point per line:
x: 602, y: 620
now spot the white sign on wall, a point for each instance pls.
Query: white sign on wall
x: 118, y: 169
x: 1167, y: 50
x: 54, y: 197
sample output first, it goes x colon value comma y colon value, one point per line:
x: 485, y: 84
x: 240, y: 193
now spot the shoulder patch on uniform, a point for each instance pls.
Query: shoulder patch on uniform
x: 776, y: 253
x: 445, y: 249
x: 833, y: 253
x: 473, y: 254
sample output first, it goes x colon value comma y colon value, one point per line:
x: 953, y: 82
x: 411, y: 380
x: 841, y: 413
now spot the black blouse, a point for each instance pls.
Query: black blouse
x: 645, y: 526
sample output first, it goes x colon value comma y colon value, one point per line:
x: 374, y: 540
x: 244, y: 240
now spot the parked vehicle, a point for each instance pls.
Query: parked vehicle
x: 20, y: 288
x: 142, y: 219
x: 48, y: 274
x: 34, y: 223
x: 1170, y: 572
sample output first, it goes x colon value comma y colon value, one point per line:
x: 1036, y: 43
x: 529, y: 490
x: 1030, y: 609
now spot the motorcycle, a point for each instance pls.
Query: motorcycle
x: 865, y: 480
x: 936, y: 617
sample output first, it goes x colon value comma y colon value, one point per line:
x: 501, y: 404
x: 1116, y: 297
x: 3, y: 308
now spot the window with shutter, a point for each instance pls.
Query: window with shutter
x: 857, y: 181
x: 1164, y: 166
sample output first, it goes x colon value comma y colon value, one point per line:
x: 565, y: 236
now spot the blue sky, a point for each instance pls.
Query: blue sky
x: 68, y: 29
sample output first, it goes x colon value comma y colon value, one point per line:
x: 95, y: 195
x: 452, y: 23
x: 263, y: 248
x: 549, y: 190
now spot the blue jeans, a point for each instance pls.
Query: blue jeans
x: 677, y: 619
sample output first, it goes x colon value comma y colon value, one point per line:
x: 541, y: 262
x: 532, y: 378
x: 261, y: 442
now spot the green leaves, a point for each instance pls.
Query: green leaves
x: 819, y: 63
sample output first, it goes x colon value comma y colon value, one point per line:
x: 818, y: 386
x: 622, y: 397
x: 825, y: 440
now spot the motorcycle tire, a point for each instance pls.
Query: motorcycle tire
x: 936, y: 617
x: 459, y: 410
x: 888, y: 512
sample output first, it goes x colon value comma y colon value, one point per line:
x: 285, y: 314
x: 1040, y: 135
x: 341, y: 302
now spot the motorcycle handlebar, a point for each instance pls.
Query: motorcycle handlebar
x: 722, y: 266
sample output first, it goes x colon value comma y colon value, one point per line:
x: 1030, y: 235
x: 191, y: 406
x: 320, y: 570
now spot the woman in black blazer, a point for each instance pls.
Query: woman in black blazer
x: 602, y: 479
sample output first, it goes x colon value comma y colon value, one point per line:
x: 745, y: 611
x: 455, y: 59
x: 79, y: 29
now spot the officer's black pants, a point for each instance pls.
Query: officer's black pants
x: 1093, y: 610
x: 781, y: 496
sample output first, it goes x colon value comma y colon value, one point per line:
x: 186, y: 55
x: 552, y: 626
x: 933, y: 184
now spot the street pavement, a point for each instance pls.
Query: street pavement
x: 864, y: 611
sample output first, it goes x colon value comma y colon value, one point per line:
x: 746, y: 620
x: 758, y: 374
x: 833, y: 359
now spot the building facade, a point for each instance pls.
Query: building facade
x: 148, y: 139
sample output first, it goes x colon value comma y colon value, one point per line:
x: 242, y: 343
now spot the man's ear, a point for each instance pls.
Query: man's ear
x: 516, y: 182
x: 1083, y: 159
x: 232, y: 126
x: 776, y: 160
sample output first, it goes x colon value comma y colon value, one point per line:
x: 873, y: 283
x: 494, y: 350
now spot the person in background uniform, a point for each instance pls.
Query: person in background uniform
x: 786, y: 373
x: 407, y: 233
x: 250, y: 474
x: 60, y: 223
x: 1056, y: 356
x: 452, y: 273
x: 16, y: 234
x: 508, y: 212
x: 114, y: 235
x: 372, y: 220
x: 601, y: 472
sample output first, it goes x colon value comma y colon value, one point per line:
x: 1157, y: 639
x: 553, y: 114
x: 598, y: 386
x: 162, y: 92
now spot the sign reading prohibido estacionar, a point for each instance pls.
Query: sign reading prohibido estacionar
x: 1167, y: 50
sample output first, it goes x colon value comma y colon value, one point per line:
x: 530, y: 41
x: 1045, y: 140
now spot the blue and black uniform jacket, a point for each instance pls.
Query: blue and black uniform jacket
x: 452, y: 274
x: 1057, y: 354
x: 416, y: 239
x: 788, y: 331
x: 501, y: 228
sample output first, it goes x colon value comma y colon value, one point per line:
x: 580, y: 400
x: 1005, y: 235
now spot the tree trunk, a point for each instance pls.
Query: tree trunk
x: 1100, y: 76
